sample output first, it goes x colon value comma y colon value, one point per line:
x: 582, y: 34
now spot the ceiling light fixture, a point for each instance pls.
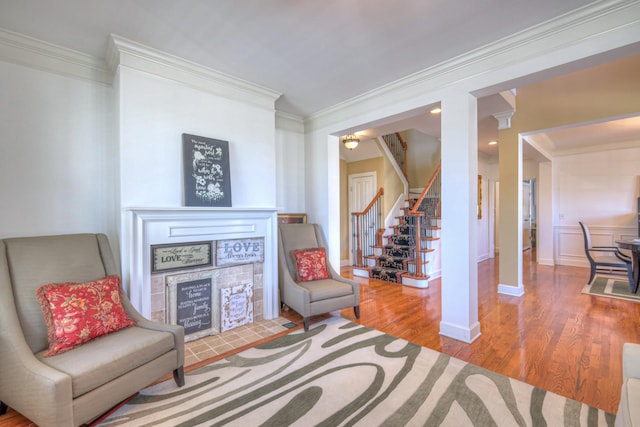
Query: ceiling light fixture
x: 436, y: 110
x: 350, y: 141
x: 493, y: 143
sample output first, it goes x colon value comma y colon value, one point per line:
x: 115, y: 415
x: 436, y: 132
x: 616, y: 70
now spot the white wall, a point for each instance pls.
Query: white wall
x: 423, y: 156
x: 322, y: 187
x: 75, y: 150
x: 486, y: 244
x: 57, y: 154
x: 290, y: 175
x: 155, y: 112
x: 599, y: 188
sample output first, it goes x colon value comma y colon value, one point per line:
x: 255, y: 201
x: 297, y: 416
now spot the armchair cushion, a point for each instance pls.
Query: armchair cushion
x: 320, y: 290
x: 311, y: 264
x: 99, y: 361
x: 79, y: 312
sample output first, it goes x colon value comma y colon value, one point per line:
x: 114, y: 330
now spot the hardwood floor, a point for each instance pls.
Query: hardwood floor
x: 553, y: 337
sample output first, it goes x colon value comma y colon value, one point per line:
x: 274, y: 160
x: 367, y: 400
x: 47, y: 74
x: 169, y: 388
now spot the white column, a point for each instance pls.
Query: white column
x: 459, y: 218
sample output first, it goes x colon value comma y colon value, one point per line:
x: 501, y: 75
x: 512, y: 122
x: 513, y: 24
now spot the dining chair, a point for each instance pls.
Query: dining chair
x: 606, y: 259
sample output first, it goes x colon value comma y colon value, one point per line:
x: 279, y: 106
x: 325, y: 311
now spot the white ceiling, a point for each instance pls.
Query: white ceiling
x: 317, y: 53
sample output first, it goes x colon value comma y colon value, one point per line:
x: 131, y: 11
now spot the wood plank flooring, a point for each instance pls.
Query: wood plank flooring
x: 553, y: 337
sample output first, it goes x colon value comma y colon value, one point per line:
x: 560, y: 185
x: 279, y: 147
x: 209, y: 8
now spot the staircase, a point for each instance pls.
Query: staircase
x: 397, y: 260
x: 403, y: 255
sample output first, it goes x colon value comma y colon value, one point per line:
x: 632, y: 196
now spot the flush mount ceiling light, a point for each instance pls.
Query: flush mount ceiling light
x: 493, y: 142
x: 436, y: 110
x: 350, y: 141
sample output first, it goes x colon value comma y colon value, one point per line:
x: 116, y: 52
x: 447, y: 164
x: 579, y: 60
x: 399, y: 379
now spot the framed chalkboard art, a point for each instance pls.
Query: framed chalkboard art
x: 206, y: 171
x: 191, y: 301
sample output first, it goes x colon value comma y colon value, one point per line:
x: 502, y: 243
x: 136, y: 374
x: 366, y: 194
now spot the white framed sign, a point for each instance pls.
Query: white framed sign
x: 178, y: 256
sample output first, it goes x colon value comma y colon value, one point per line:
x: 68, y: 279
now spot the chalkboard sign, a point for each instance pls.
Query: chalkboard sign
x: 206, y: 171
x: 193, y: 305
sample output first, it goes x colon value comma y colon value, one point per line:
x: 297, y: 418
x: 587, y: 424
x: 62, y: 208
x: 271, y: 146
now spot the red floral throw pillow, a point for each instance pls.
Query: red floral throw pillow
x: 311, y: 264
x: 78, y: 312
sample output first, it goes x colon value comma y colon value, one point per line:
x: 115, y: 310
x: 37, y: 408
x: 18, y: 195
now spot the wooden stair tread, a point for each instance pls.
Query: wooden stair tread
x: 413, y: 261
x: 423, y: 277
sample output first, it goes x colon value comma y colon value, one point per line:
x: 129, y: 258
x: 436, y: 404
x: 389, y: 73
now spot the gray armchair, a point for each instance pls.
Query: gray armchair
x: 79, y: 385
x: 628, y: 409
x: 317, y: 296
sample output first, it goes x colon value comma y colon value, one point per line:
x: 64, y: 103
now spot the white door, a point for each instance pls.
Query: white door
x: 362, y: 189
x: 526, y: 215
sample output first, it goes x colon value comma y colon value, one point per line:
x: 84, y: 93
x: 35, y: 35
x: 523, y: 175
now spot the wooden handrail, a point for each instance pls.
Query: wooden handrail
x: 414, y: 209
x: 379, y: 194
x: 404, y: 144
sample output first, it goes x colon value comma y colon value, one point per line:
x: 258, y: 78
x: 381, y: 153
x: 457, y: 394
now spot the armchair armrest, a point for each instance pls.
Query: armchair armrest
x: 631, y: 360
x: 336, y: 276
x: 29, y: 383
x: 295, y: 295
x: 176, y: 330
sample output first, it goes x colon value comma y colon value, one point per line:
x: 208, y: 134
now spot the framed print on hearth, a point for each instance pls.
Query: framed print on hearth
x: 180, y: 256
x: 206, y: 171
x: 292, y: 218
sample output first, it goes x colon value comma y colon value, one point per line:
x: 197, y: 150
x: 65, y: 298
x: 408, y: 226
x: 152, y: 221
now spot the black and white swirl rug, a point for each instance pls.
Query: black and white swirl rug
x: 344, y: 374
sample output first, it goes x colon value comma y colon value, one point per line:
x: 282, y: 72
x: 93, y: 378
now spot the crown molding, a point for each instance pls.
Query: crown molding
x: 597, y: 148
x: 551, y: 37
x: 23, y: 50
x: 122, y: 52
x: 542, y: 145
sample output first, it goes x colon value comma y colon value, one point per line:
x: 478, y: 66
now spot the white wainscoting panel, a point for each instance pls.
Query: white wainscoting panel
x: 569, y: 241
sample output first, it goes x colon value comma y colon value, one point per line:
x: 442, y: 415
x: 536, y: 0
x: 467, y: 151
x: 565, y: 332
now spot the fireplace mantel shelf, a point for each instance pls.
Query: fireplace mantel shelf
x: 198, y: 209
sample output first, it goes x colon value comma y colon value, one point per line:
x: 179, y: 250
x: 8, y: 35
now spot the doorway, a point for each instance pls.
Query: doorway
x: 362, y: 189
x: 528, y: 214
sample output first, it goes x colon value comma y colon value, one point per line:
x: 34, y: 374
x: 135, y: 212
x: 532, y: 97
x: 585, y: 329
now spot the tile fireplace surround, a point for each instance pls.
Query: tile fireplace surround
x: 161, y: 226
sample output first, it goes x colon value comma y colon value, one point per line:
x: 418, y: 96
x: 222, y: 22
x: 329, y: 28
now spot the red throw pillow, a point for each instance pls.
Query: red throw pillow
x: 311, y: 264
x: 78, y: 312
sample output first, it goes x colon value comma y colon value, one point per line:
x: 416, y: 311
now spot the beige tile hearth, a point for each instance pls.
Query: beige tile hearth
x: 214, y: 345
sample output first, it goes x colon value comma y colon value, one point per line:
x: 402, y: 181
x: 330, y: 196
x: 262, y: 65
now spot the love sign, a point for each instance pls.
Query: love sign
x: 180, y: 256
x: 240, y: 251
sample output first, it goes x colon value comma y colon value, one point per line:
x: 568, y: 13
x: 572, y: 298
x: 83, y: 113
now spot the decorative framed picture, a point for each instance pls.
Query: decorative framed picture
x: 292, y: 218
x: 190, y: 301
x: 178, y: 256
x: 206, y: 171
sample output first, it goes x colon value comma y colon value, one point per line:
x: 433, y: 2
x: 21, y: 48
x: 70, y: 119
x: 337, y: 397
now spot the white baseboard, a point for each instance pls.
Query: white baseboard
x: 415, y: 283
x: 360, y: 272
x: 465, y: 334
x: 516, y: 291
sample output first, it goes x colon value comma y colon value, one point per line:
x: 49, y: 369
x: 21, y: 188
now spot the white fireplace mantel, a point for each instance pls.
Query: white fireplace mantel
x: 153, y: 226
